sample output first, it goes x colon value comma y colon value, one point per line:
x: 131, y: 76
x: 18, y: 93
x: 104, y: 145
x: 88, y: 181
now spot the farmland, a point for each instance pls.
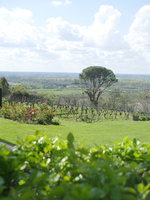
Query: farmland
x: 64, y: 91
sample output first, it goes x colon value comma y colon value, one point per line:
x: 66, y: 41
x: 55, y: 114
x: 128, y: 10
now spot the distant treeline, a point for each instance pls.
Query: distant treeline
x: 49, y: 80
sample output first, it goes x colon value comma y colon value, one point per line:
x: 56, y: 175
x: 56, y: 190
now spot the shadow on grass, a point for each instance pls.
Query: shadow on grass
x: 6, y: 142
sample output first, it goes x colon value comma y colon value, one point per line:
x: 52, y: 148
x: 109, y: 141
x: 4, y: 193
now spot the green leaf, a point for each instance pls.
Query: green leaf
x: 19, y: 141
x: 120, y: 180
x: 131, y: 190
x: 136, y: 155
x: 83, y: 151
x: 135, y: 142
x: 46, y: 149
x: 97, y: 192
x: 125, y: 138
x: 140, y: 187
x: 116, y: 193
x: 70, y: 138
x: 146, y: 187
x: 128, y: 197
x: 43, y: 164
x: 58, y: 192
x: 1, y: 181
x: 28, y: 194
x: 133, y: 164
x: 146, y: 193
x: 5, y: 152
x: 21, y: 182
x: 37, y: 133
x: 67, y: 178
x: 28, y: 139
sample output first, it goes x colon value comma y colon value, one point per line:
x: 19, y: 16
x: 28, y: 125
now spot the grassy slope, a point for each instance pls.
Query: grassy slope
x: 105, y: 132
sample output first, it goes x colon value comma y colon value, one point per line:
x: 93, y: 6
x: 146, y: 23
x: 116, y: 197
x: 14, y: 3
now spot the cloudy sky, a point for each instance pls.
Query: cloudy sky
x: 70, y: 35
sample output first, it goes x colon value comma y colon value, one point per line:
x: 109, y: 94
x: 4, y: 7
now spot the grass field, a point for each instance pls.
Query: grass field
x: 88, y: 134
x: 57, y: 91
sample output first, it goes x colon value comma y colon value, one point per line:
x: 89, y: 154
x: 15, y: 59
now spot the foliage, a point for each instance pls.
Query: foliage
x: 0, y: 97
x: 136, y: 114
x: 5, y: 86
x: 18, y: 89
x: 148, y: 118
x: 27, y: 114
x: 83, y: 113
x: 43, y: 168
x: 95, y: 80
x: 55, y: 80
x: 144, y: 118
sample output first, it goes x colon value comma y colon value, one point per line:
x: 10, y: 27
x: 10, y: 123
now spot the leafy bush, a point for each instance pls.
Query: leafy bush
x: 56, y: 121
x: 24, y: 114
x: 148, y: 118
x: 144, y: 118
x: 42, y: 168
x: 19, y: 89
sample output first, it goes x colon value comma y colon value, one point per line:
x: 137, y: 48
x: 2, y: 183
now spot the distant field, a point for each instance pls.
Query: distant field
x: 88, y: 134
x: 57, y: 91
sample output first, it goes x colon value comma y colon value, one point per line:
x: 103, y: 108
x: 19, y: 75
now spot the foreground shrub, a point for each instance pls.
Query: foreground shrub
x: 42, y: 168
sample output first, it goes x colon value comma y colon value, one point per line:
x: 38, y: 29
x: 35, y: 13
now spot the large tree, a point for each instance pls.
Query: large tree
x: 5, y: 86
x: 94, y: 80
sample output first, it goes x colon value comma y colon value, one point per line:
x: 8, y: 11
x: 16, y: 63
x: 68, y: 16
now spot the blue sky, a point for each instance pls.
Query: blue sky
x: 70, y: 35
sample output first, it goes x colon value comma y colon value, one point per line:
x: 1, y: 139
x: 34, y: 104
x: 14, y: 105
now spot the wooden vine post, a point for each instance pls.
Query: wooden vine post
x: 0, y: 97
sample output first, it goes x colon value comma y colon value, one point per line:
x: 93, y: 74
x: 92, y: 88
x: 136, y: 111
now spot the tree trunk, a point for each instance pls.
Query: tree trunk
x: 95, y: 103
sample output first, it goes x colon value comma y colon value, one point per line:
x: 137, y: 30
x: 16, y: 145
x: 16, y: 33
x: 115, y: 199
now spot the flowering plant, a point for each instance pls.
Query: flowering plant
x: 25, y: 114
x: 136, y: 114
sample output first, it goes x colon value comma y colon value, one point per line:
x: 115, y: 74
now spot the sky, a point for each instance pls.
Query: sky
x: 71, y: 35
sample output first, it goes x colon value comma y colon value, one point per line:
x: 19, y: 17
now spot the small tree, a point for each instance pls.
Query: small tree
x: 19, y: 89
x: 144, y: 100
x: 0, y: 97
x: 5, y: 86
x: 94, y: 80
x: 114, y: 98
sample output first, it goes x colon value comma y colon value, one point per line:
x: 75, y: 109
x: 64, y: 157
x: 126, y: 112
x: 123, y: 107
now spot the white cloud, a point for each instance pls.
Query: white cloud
x: 17, y: 14
x: 16, y: 29
x: 102, y: 33
x: 70, y: 47
x: 59, y: 3
x: 68, y: 2
x: 139, y: 33
x: 65, y: 30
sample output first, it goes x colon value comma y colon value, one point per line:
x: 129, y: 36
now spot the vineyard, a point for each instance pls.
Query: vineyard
x: 43, y: 113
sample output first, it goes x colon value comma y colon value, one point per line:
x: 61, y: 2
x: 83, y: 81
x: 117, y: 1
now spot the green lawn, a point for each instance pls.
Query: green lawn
x: 105, y: 132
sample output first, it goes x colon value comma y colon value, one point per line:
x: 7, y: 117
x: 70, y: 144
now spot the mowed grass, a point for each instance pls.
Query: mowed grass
x: 88, y: 134
x: 58, y: 91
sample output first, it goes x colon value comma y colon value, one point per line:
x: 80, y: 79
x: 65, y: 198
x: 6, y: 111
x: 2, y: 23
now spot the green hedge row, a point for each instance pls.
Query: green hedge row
x: 40, y: 168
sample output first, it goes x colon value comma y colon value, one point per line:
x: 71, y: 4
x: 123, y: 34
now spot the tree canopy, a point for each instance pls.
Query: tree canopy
x: 18, y: 89
x: 94, y: 80
x: 5, y: 86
